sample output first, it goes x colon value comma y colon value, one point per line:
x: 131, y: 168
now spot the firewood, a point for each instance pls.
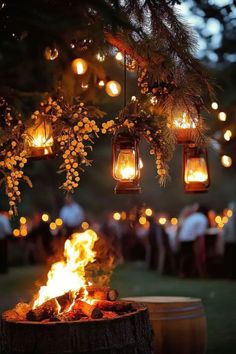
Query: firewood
x: 11, y: 315
x: 102, y: 293
x: 90, y: 311
x: 22, y: 309
x: 45, y: 311
x: 109, y: 315
x: 114, y: 306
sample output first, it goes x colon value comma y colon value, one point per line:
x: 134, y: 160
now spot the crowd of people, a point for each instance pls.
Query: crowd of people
x: 192, y: 246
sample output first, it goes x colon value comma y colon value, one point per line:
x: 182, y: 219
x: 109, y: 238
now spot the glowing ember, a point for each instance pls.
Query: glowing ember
x: 69, y: 274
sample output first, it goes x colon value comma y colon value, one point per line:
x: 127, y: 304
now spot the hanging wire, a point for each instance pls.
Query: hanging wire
x: 125, y: 79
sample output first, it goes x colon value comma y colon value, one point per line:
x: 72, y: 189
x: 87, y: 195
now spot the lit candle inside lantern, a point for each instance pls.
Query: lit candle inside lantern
x: 196, y: 170
x: 125, y: 168
x: 39, y: 138
x: 126, y: 163
x: 113, y: 88
x: 79, y: 66
x: 185, y: 128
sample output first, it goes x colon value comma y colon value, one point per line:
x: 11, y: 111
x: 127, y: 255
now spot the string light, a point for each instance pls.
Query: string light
x: 148, y: 212
x: 45, y: 217
x: 174, y: 221
x: 142, y: 220
x: 23, y: 231
x: 58, y: 222
x: 53, y: 226
x: 119, y: 56
x: 16, y: 232
x: 228, y: 135
x: 23, y: 220
x: 222, y: 116
x: 116, y: 216
x: 229, y: 213
x: 85, y: 225
x: 100, y: 57
x: 162, y: 221
x: 214, y: 105
x: 101, y: 83
x: 226, y: 161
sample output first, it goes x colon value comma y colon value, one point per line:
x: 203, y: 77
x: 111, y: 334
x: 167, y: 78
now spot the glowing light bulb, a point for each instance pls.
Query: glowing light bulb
x: 174, y: 221
x: 113, y: 88
x: 100, y: 57
x: 58, y: 222
x: 184, y: 122
x: 79, y: 66
x: 142, y: 220
x: 23, y: 220
x: 226, y: 161
x: 162, y: 221
x: 16, y: 232
x: 222, y: 116
x: 116, y: 216
x: 148, y: 212
x: 119, y: 56
x: 53, y: 226
x: 228, y: 135
x: 214, y: 105
x: 101, y: 83
x: 45, y: 217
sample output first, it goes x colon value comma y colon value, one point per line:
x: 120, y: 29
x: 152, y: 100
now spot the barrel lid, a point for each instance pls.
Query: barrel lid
x: 162, y: 299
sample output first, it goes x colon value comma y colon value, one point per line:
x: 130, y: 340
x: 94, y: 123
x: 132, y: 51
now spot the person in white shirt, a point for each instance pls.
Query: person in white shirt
x: 5, y: 230
x: 191, y: 238
x: 71, y: 214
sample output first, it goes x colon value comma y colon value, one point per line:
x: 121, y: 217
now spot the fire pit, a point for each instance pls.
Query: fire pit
x: 71, y: 315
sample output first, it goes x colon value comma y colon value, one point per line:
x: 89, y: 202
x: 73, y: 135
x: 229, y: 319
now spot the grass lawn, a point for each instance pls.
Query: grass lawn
x: 219, y: 297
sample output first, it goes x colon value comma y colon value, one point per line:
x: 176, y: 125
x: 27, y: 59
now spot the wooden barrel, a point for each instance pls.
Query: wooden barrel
x: 179, y: 324
x: 127, y: 334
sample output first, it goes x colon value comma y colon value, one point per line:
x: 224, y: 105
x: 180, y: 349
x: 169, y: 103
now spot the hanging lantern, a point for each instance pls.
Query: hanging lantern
x: 196, y: 170
x: 39, y: 138
x: 126, y: 163
x: 113, y: 88
x: 186, y: 128
x: 79, y: 66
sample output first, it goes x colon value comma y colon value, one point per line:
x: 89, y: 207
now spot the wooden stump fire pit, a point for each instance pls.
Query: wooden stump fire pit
x: 126, y: 334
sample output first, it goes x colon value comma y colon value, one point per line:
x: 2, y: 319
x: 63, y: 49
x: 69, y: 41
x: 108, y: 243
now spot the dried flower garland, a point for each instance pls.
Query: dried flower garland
x: 139, y: 121
x: 73, y: 130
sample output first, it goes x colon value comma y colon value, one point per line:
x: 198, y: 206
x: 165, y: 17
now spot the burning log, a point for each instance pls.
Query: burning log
x: 18, y: 313
x: 91, y: 311
x: 114, y: 306
x: 102, y: 293
x: 47, y: 310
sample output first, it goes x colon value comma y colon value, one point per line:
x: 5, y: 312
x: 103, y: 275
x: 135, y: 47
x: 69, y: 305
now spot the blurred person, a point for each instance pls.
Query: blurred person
x: 5, y: 231
x: 71, y: 214
x: 192, y: 243
x: 229, y: 237
x: 155, y: 257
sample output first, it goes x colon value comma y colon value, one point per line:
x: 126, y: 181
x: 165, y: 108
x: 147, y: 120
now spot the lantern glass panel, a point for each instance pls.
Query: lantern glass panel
x: 125, y: 165
x: 196, y: 170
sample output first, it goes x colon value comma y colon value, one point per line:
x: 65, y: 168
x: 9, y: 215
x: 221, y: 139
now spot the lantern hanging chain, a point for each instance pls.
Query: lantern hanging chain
x: 125, y: 79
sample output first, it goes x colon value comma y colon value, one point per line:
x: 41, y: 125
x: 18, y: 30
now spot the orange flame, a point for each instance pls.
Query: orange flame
x: 69, y: 274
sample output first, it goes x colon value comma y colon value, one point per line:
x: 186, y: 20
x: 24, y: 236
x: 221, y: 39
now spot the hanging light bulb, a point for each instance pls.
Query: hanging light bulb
x: 185, y: 128
x: 119, y: 56
x: 51, y: 53
x: 79, y: 66
x: 84, y: 86
x: 101, y: 83
x: 100, y: 57
x: 226, y: 161
x: 196, y: 171
x: 113, y: 88
x: 39, y: 138
x: 228, y: 135
x: 214, y: 105
x: 222, y: 116
x: 126, y: 163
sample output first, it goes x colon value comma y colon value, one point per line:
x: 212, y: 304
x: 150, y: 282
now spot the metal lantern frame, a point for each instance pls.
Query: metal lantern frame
x: 191, y: 151
x: 124, y: 140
